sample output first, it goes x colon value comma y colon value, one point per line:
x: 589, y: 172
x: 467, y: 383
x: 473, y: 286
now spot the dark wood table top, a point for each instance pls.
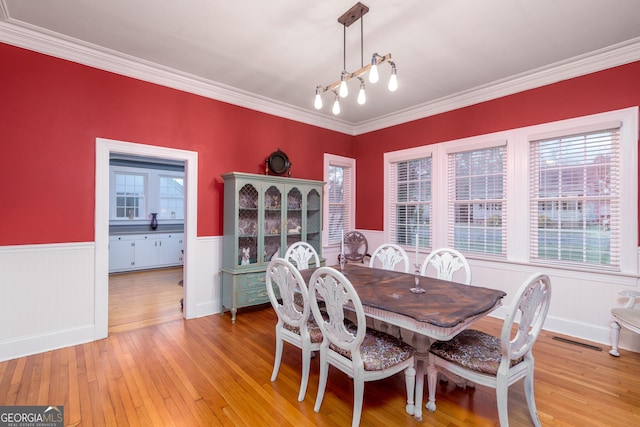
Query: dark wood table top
x: 444, y: 304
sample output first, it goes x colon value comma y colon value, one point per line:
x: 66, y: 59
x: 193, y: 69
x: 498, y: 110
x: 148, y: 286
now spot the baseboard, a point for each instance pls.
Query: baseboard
x: 582, y: 331
x: 26, y: 346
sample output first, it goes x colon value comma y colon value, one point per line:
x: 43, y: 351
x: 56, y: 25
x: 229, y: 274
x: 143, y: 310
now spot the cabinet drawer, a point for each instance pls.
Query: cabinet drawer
x: 252, y: 297
x: 251, y: 281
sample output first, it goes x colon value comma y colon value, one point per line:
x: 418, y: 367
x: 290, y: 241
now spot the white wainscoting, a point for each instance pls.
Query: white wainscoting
x: 48, y: 294
x: 209, y: 262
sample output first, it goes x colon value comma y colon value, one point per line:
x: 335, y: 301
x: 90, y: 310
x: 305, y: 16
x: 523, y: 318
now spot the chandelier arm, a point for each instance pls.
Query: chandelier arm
x: 348, y: 76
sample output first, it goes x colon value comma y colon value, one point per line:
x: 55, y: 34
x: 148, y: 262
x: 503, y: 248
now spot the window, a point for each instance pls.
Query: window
x: 171, y: 197
x: 575, y: 193
x: 129, y: 201
x: 339, y: 215
x: 476, y: 200
x: 136, y: 192
x: 410, y: 202
x: 559, y: 195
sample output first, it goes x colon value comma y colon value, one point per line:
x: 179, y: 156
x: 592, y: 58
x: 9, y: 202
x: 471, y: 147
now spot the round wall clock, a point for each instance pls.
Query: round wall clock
x: 278, y: 163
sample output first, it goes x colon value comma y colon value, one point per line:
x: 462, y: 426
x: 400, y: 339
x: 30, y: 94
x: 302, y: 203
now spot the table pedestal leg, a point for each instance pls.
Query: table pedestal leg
x: 432, y: 382
x: 421, y: 343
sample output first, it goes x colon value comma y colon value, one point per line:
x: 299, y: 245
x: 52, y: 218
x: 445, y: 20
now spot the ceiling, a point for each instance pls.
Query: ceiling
x: 270, y: 55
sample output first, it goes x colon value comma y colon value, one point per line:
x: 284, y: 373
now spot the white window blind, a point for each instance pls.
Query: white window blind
x: 340, y: 201
x: 575, y: 199
x: 477, y: 201
x: 409, y: 209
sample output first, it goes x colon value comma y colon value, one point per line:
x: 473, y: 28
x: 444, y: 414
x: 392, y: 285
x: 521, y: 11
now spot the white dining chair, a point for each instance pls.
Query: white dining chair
x: 295, y: 326
x: 388, y: 255
x: 363, y: 354
x: 446, y: 262
x: 627, y: 316
x: 497, y: 362
x: 300, y: 253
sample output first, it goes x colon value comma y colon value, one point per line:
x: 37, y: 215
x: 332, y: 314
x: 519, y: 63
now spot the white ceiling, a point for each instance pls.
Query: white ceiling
x: 270, y: 54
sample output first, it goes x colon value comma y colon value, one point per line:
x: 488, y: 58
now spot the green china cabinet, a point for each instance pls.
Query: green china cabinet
x: 263, y: 215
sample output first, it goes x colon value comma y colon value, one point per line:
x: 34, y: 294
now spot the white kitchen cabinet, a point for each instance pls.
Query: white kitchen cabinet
x: 121, y: 253
x: 170, y: 250
x: 145, y: 251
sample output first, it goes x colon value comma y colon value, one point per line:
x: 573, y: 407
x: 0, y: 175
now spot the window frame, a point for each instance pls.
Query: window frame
x: 389, y: 215
x: 345, y: 162
x: 142, y: 200
x: 151, y: 201
x: 517, y: 215
x: 172, y: 176
x: 451, y: 186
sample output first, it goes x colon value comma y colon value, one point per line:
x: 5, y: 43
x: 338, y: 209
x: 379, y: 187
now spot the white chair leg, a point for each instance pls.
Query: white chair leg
x: 278, y: 359
x: 322, y: 382
x: 358, y: 397
x: 530, y: 396
x: 615, y: 338
x: 306, y: 365
x: 502, y: 395
x: 410, y: 382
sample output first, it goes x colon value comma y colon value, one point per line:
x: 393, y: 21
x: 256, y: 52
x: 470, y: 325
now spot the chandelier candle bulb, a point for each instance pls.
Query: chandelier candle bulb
x: 318, y: 101
x: 362, y: 97
x: 393, y: 81
x: 336, y: 107
x: 373, y: 73
x: 344, y: 90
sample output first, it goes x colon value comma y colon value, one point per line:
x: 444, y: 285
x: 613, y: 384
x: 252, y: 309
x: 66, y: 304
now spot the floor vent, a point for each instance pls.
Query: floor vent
x: 581, y: 344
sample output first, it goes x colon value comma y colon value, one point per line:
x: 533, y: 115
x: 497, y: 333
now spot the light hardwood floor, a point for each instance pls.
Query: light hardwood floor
x: 209, y: 372
x: 144, y: 298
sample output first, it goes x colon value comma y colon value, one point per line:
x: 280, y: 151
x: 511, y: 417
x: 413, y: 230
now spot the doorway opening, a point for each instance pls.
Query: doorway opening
x: 104, y: 150
x: 146, y: 235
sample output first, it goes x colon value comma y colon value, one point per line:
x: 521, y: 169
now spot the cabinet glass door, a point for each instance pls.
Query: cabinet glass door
x: 272, y: 223
x: 314, y: 219
x: 247, y: 225
x: 294, y: 216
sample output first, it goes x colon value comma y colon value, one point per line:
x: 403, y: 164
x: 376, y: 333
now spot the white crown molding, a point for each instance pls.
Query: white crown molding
x: 612, y: 56
x: 59, y: 46
x: 23, y: 35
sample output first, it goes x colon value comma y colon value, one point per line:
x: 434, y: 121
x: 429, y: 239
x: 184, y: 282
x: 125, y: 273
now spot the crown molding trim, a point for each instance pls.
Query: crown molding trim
x: 71, y: 49
x: 34, y: 38
x: 612, y: 56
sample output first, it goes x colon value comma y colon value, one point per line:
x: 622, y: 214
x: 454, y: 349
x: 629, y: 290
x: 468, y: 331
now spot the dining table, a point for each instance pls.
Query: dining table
x: 423, y: 308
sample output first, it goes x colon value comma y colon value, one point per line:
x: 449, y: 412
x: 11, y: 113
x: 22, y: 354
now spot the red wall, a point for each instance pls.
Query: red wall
x: 52, y: 111
x: 607, y: 90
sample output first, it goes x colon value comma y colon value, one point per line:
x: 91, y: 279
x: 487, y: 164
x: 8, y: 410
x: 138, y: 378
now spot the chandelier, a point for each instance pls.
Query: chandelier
x: 339, y: 87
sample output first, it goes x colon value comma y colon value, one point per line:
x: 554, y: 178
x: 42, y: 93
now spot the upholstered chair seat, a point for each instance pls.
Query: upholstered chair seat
x: 379, y: 350
x: 475, y: 350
